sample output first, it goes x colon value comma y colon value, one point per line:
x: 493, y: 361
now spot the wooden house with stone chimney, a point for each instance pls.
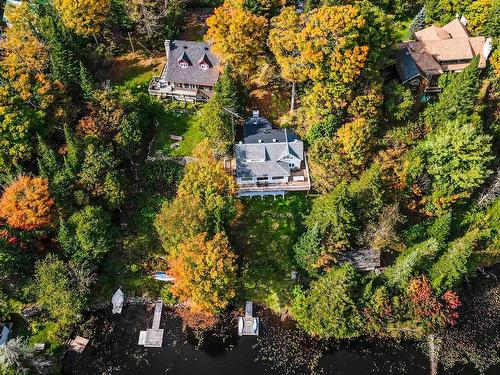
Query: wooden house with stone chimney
x: 189, y: 74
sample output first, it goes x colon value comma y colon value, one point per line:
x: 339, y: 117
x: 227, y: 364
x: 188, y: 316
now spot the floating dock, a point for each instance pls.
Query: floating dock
x: 153, y: 337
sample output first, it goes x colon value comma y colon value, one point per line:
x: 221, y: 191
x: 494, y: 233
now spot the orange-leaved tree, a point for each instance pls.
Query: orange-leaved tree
x: 27, y: 204
x: 204, y: 272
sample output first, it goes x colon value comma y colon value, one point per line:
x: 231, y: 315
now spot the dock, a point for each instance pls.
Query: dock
x: 248, y: 325
x: 153, y: 337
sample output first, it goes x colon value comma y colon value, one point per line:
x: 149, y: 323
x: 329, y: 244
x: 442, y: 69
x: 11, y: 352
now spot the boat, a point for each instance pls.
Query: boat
x: 163, y: 276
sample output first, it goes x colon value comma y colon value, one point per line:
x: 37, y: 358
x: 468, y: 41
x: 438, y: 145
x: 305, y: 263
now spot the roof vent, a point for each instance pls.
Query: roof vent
x: 185, y: 47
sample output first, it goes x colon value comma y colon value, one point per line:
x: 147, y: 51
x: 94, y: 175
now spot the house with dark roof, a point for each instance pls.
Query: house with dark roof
x: 269, y: 160
x: 189, y: 74
x: 437, y: 50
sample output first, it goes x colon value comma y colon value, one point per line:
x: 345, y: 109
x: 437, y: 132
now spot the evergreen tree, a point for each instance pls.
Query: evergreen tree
x: 418, y: 23
x: 308, y: 251
x: 86, y: 82
x: 458, y: 97
x: 72, y: 159
x: 228, y: 90
x: 47, y: 161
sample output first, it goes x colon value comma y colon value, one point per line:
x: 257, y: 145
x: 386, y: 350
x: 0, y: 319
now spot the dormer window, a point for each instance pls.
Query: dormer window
x: 184, y: 61
x: 204, y: 63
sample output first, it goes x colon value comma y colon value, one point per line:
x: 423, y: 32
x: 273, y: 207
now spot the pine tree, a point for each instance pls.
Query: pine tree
x: 86, y: 82
x: 227, y: 89
x: 418, y: 23
x: 47, y: 161
x: 72, y: 159
x: 458, y: 97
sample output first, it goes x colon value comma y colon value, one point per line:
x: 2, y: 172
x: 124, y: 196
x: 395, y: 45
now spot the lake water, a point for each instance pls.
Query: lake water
x: 280, y: 349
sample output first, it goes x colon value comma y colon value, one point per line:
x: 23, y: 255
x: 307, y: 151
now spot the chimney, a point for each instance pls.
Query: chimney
x: 255, y: 113
x: 488, y: 46
x: 167, y: 47
x: 260, y: 140
x: 274, y: 140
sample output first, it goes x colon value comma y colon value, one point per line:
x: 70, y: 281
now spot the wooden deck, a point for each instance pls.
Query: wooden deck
x: 153, y: 337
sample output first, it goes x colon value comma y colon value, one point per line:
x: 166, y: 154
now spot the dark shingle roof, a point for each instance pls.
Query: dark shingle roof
x: 405, y: 65
x: 259, y: 128
x: 191, y: 52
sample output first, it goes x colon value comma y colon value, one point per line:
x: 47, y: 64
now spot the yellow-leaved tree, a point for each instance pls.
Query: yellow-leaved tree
x: 238, y: 37
x: 356, y: 138
x: 204, y: 272
x: 85, y: 17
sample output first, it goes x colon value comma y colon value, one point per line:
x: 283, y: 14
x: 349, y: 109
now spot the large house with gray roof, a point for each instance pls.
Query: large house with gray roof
x: 436, y: 50
x: 269, y: 160
x: 189, y: 74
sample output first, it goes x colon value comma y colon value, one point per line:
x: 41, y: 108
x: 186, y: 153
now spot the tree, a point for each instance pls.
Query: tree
x: 328, y: 308
x: 204, y: 272
x: 87, y: 236
x: 205, y: 201
x: 156, y: 18
x: 238, y: 37
x: 458, y: 97
x: 327, y: 164
x: 398, y: 101
x: 26, y: 62
x: 228, y: 89
x: 382, y: 234
x: 450, y: 268
x: 129, y: 136
x: 85, y: 17
x: 18, y: 124
x: 216, y: 124
x: 356, y: 139
x: 27, y: 204
x: 284, y: 42
x: 429, y: 312
x: 458, y: 157
x: 408, y: 263
x: 98, y: 174
x: 55, y: 291
x: 308, y: 251
x: 333, y: 214
x: 86, y: 82
x: 418, y: 22
x: 14, y: 354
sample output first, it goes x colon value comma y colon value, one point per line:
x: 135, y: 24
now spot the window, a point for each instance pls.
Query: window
x: 183, y: 64
x: 262, y: 178
x: 204, y: 66
x: 291, y: 165
x: 246, y: 179
x: 277, y: 177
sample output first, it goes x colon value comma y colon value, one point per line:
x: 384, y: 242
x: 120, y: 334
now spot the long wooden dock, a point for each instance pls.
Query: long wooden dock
x: 153, y: 337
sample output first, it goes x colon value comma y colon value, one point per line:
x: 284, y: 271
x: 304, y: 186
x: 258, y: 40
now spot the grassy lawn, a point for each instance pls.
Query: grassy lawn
x: 134, y: 71
x: 401, y: 28
x: 264, y: 238
x: 177, y: 119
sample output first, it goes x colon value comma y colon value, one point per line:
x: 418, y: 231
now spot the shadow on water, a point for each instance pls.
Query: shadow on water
x: 281, y: 348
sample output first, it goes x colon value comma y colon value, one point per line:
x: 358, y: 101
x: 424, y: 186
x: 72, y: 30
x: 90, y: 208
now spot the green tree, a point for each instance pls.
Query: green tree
x: 458, y: 97
x: 398, y: 101
x: 328, y: 308
x: 129, y: 136
x: 55, y: 291
x: 454, y: 264
x: 411, y: 261
x: 458, y: 157
x: 308, y: 251
x: 333, y: 214
x: 98, y: 174
x: 86, y: 82
x: 216, y: 124
x: 87, y: 236
x: 228, y: 89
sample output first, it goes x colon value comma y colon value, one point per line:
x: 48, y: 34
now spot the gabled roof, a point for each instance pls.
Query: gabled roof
x: 184, y: 57
x: 449, y: 49
x: 432, y: 33
x: 205, y: 59
x: 456, y: 29
x: 179, y: 50
x: 266, y: 158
